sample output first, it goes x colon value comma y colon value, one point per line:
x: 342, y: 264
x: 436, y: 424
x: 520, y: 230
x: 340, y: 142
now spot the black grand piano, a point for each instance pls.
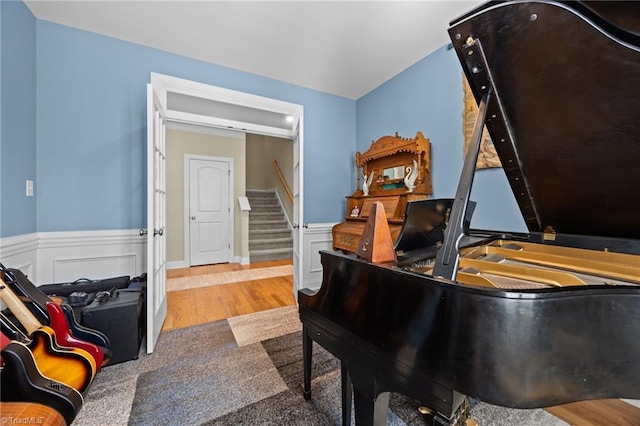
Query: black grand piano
x: 518, y: 320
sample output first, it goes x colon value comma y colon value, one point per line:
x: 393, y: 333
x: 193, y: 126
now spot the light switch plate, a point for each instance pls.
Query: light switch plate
x: 29, y: 188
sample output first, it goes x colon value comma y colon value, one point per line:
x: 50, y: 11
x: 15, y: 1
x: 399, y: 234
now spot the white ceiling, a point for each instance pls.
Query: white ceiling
x: 342, y: 48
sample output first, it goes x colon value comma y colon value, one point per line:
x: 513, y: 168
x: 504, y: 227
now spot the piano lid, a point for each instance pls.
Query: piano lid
x: 565, y: 112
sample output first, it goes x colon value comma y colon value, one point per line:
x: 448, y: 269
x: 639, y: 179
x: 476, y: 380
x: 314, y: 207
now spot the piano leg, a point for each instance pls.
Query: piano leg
x: 371, y: 410
x: 307, y: 352
x: 371, y: 405
x: 458, y: 418
x: 347, y: 395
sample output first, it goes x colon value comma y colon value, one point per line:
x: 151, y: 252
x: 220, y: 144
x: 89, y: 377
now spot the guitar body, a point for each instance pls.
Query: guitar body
x: 30, y: 410
x: 88, y: 334
x: 21, y: 381
x: 72, y: 366
x: 37, y: 303
x: 64, y: 338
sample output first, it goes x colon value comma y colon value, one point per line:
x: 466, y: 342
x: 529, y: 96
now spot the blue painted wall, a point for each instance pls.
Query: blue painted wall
x: 17, y: 118
x: 428, y: 97
x: 76, y: 124
x: 92, y: 128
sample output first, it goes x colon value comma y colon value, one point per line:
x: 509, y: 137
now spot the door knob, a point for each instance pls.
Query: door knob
x: 193, y: 218
x: 143, y: 232
x: 158, y: 232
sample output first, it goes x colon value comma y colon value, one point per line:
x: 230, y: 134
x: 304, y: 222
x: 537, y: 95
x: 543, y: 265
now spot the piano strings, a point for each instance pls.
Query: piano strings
x: 506, y: 264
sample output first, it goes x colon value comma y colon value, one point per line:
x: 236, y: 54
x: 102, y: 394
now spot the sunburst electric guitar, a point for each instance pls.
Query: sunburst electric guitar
x: 64, y: 336
x: 72, y: 366
x: 37, y: 301
x: 25, y: 389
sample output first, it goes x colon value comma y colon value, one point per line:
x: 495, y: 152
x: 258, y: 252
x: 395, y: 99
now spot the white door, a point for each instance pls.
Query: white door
x: 297, y: 210
x: 210, y: 228
x: 156, y: 219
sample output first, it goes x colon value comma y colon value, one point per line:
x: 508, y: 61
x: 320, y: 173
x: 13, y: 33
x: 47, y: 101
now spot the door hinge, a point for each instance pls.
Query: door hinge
x: 228, y: 172
x: 229, y: 246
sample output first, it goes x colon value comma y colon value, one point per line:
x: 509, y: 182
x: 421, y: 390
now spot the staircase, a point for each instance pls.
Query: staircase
x: 269, y: 234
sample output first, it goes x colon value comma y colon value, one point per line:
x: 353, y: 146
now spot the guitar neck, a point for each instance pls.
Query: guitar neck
x: 19, y: 309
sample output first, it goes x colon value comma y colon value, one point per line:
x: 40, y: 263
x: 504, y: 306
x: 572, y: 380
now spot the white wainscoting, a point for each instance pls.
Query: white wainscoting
x: 316, y: 237
x: 20, y: 252
x: 49, y: 257
x: 52, y: 257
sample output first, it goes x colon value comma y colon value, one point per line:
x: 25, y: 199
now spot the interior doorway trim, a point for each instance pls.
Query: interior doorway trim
x: 186, y: 213
x: 164, y: 84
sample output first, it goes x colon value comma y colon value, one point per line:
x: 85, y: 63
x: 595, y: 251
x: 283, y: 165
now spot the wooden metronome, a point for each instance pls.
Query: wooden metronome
x: 376, y: 244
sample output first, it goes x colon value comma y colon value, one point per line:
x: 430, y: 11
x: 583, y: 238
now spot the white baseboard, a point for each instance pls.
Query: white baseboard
x: 635, y: 402
x: 284, y: 211
x: 48, y: 257
x: 176, y: 264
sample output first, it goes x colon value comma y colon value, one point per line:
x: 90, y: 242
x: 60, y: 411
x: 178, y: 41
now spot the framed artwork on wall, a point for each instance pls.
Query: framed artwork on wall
x: 488, y: 157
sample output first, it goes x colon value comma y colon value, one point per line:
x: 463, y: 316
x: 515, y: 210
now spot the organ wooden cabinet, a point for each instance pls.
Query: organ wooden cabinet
x: 395, y: 171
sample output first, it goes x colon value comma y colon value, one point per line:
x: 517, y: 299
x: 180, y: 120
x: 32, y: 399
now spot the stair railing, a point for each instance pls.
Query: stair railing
x: 284, y: 183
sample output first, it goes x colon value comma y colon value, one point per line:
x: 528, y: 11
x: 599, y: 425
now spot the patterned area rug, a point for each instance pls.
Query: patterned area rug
x: 243, y: 371
x: 261, y: 326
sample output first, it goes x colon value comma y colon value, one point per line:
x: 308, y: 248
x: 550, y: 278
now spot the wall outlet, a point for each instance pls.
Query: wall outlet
x: 29, y: 188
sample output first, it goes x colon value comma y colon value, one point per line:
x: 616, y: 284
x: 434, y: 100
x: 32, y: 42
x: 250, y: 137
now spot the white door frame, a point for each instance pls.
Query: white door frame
x: 163, y: 84
x: 186, y: 221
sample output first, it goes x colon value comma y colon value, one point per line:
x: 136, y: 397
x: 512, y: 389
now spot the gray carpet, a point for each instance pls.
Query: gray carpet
x: 201, y: 376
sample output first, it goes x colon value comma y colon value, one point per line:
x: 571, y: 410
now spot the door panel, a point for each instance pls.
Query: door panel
x: 298, y: 216
x: 210, y: 224
x: 156, y: 219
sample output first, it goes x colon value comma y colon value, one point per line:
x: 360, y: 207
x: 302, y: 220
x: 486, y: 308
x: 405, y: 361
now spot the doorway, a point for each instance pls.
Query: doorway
x: 191, y: 103
x: 208, y: 209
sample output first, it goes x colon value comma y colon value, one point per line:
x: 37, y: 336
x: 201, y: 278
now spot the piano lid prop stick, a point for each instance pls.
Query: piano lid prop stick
x: 448, y: 256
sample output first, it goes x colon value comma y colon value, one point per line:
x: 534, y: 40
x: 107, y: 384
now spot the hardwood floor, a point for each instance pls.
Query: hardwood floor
x: 223, y: 267
x: 213, y: 303
x: 598, y: 413
x: 205, y: 304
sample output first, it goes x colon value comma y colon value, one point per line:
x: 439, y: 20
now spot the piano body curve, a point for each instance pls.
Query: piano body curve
x: 433, y: 340
x: 518, y: 320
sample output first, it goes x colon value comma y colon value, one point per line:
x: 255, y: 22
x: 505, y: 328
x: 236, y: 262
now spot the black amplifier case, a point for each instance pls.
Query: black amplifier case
x: 119, y: 316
